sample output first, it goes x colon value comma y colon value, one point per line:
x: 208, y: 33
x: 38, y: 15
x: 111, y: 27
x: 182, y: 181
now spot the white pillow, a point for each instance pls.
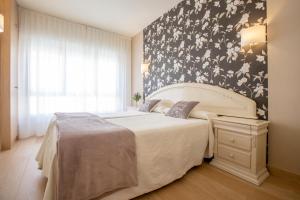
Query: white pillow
x: 200, y: 114
x: 163, y: 106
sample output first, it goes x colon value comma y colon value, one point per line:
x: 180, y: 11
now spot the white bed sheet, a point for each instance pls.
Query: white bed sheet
x: 166, y: 149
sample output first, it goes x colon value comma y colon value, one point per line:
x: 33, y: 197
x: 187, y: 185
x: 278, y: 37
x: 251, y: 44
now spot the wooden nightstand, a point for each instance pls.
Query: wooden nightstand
x: 240, y: 147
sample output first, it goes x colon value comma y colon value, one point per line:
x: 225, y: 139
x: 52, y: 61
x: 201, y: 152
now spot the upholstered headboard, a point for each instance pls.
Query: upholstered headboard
x: 211, y: 98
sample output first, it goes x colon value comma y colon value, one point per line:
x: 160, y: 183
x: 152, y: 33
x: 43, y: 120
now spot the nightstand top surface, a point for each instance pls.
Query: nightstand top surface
x: 252, y: 122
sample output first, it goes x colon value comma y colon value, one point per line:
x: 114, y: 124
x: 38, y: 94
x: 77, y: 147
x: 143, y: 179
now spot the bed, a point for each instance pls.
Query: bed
x: 166, y: 147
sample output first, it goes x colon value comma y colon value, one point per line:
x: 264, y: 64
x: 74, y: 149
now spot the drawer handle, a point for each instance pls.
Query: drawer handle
x: 232, y: 140
x: 231, y: 155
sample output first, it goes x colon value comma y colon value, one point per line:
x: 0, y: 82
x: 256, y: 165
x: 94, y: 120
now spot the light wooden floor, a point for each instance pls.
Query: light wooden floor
x: 21, y: 180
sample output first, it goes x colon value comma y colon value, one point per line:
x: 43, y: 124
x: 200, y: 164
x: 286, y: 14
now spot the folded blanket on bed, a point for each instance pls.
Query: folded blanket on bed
x: 94, y: 156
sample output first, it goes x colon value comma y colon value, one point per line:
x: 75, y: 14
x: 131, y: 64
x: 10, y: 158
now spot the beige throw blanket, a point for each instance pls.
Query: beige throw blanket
x: 94, y: 157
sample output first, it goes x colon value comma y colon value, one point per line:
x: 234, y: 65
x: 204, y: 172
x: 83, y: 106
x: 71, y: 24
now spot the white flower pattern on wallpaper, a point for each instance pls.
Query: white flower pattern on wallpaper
x: 199, y: 41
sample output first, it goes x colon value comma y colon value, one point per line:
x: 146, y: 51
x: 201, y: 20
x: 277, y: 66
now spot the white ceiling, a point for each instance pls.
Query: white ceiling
x: 126, y: 17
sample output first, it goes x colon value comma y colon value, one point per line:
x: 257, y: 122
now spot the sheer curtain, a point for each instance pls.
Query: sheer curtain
x: 68, y: 67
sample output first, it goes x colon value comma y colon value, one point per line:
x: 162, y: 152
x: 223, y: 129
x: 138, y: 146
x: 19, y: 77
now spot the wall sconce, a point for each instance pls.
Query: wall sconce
x: 144, y: 68
x: 1, y: 23
x: 253, y: 35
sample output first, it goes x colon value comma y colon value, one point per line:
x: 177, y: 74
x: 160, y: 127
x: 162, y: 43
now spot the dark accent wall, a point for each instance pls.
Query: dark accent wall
x: 199, y: 41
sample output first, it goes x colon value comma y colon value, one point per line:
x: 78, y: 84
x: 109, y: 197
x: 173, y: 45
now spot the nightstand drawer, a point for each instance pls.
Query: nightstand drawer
x: 235, y: 140
x: 235, y: 156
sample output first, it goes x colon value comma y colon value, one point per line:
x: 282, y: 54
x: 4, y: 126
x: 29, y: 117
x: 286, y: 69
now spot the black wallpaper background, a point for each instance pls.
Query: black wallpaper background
x: 199, y: 41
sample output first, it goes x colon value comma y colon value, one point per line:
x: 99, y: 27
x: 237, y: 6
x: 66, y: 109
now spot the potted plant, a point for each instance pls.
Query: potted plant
x: 136, y: 97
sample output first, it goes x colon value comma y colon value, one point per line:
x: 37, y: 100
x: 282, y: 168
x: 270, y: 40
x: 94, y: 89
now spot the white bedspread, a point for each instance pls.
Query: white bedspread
x: 166, y: 149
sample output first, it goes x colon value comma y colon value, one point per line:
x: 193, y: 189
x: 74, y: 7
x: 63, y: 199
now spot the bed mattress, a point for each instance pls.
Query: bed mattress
x: 166, y: 149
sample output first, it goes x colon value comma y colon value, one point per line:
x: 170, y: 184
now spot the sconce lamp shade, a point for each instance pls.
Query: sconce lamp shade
x: 144, y: 68
x: 1, y: 23
x: 253, y: 35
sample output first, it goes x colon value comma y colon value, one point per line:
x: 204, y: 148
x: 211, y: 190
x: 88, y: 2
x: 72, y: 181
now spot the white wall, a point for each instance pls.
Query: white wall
x: 136, y: 61
x: 284, y: 84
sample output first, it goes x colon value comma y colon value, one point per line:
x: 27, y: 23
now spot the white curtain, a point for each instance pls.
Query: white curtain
x: 68, y: 67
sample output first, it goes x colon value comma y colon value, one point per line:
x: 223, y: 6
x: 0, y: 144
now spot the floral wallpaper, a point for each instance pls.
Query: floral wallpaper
x: 199, y: 41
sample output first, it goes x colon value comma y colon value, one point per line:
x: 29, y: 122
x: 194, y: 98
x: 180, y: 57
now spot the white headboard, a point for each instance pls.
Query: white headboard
x: 211, y: 98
